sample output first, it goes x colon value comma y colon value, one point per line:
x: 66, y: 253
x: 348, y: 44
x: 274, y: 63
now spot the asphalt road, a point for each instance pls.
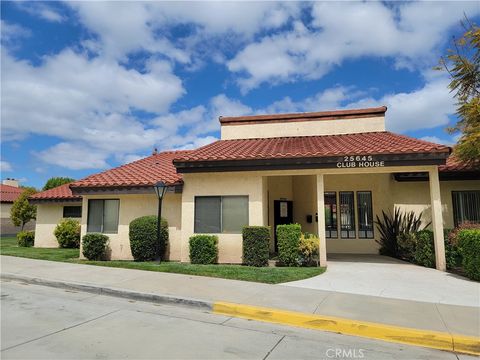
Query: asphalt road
x: 45, y: 323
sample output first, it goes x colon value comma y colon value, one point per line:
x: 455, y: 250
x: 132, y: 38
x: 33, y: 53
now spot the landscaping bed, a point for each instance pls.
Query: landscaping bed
x: 270, y: 275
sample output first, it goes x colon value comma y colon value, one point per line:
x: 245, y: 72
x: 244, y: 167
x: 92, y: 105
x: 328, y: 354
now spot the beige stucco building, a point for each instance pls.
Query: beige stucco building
x: 332, y: 172
x: 9, y: 192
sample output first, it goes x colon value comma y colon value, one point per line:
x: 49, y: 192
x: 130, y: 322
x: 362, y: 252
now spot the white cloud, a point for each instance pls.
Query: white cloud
x: 437, y: 140
x: 424, y: 108
x: 11, y: 31
x: 126, y: 27
x: 74, y: 156
x: 42, y: 10
x: 5, y: 166
x: 84, y: 102
x: 408, y: 32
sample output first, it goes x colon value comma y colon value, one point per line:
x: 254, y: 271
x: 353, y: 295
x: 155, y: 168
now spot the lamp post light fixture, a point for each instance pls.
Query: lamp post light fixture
x: 160, y: 189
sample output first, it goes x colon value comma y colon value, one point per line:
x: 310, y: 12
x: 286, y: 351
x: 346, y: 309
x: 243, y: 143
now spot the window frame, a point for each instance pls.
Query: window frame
x: 72, y: 206
x: 358, y: 216
x: 328, y: 231
x: 456, y: 220
x: 221, y: 213
x: 353, y: 223
x: 102, y: 231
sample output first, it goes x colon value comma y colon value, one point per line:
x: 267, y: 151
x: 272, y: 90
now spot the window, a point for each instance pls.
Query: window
x: 347, y: 215
x: 72, y: 211
x: 103, y: 216
x: 331, y: 229
x: 220, y: 214
x: 466, y: 206
x: 365, y: 215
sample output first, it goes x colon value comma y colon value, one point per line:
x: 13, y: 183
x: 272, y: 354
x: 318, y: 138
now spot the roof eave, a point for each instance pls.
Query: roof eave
x: 324, y: 162
x: 123, y: 189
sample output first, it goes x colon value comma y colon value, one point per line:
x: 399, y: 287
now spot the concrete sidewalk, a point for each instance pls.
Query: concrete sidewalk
x: 383, y: 276
x: 463, y: 320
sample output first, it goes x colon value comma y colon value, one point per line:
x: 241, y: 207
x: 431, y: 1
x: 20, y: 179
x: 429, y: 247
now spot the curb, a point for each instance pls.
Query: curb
x: 133, y: 295
x: 396, y: 334
x: 425, y: 338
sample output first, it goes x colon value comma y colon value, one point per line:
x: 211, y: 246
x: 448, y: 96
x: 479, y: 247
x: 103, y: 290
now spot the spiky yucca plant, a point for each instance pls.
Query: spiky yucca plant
x: 390, y: 226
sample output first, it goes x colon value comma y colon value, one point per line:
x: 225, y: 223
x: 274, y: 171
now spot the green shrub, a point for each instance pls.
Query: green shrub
x: 67, y: 233
x: 407, y: 244
x: 288, y: 238
x: 256, y: 244
x: 143, y: 238
x: 425, y: 254
x: 25, y: 238
x: 453, y: 234
x: 94, y: 246
x: 203, y: 249
x: 425, y: 251
x: 469, y: 245
x: 308, y: 249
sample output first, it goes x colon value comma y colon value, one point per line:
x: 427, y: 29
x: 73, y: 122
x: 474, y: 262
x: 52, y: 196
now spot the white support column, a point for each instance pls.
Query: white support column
x: 437, y: 220
x: 321, y: 220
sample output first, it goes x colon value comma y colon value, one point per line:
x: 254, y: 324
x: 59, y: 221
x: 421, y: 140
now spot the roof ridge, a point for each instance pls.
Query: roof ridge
x: 310, y: 114
x: 301, y: 136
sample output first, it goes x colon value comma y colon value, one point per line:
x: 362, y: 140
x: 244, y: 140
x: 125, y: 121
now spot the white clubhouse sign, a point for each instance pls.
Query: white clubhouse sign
x: 359, y: 161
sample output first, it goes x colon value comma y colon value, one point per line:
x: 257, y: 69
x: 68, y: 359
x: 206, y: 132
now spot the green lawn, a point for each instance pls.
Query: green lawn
x: 270, y: 275
x: 8, y: 246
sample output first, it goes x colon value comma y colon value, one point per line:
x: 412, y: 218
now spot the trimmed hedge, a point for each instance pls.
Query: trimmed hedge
x: 25, y: 238
x: 203, y: 249
x: 256, y: 244
x: 67, y: 233
x: 143, y: 238
x: 94, y: 246
x: 469, y: 244
x: 425, y: 250
x: 288, y: 239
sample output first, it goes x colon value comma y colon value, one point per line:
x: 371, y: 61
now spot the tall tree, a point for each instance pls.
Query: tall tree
x: 462, y: 62
x: 22, y: 211
x: 56, y: 181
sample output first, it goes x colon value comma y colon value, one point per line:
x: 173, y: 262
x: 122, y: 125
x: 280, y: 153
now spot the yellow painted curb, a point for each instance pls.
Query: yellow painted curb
x: 397, y: 334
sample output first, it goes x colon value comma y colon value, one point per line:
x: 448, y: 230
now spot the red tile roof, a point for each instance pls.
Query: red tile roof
x: 8, y: 194
x: 372, y: 143
x: 143, y: 172
x: 322, y: 115
x: 61, y: 192
x: 454, y: 164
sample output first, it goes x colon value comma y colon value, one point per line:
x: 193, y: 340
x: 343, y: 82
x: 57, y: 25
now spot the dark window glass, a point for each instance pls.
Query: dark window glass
x: 234, y: 213
x: 347, y: 215
x: 72, y: 211
x: 365, y: 214
x: 466, y: 206
x: 220, y: 214
x: 207, y: 214
x: 331, y: 228
x: 103, y: 216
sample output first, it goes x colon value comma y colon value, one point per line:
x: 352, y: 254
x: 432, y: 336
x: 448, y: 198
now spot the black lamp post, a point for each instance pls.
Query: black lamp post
x: 160, y: 190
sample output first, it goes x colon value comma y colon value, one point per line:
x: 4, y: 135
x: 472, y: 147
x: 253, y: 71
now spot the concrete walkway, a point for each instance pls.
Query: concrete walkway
x: 421, y: 315
x: 387, y: 277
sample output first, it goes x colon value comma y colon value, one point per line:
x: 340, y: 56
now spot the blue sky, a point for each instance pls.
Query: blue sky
x: 91, y: 85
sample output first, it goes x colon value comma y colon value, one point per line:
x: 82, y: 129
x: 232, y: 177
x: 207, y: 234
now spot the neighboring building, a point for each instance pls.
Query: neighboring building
x: 52, y: 206
x: 9, y: 192
x: 332, y: 172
